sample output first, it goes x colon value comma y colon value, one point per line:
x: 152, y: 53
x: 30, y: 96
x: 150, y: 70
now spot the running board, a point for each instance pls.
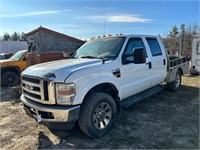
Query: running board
x: 140, y: 96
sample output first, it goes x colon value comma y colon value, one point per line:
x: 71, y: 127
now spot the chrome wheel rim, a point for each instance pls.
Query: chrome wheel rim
x: 102, y: 116
x: 177, y: 80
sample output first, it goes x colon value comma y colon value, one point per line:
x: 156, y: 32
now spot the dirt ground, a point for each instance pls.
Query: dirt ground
x: 164, y: 121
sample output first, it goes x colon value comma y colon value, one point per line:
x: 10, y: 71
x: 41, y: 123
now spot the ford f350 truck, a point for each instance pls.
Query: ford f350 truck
x: 104, y: 75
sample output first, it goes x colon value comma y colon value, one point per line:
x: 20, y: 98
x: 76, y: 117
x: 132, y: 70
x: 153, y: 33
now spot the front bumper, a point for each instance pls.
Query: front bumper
x: 50, y: 113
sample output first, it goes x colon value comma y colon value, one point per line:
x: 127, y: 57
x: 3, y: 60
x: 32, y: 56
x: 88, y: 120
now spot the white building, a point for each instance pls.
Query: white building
x: 12, y: 46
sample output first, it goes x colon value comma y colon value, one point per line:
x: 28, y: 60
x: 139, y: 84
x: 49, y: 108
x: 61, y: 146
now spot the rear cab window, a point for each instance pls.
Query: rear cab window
x: 154, y: 46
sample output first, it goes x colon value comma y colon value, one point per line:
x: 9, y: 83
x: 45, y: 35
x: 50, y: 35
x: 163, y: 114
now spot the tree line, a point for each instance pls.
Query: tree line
x: 16, y: 36
x: 179, y: 39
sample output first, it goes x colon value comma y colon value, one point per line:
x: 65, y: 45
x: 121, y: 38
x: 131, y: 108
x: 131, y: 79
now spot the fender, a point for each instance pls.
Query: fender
x: 11, y: 68
x: 84, y: 86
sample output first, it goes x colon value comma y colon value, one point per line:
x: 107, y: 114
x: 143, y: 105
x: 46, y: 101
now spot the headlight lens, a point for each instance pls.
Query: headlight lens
x: 65, y: 93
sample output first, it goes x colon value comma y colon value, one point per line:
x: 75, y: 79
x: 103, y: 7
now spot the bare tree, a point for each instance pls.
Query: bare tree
x: 181, y: 39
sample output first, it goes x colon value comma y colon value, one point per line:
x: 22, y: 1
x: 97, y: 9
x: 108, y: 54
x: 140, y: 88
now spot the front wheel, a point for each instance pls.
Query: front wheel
x: 98, y: 114
x: 176, y: 84
x: 9, y: 79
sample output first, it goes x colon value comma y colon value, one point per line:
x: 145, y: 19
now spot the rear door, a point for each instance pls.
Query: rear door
x: 158, y: 60
x: 134, y: 77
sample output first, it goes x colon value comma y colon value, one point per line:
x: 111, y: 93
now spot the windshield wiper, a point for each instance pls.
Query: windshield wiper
x: 94, y: 57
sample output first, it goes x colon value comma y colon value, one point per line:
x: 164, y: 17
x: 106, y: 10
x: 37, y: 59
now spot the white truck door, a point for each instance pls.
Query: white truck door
x: 158, y: 60
x: 134, y: 77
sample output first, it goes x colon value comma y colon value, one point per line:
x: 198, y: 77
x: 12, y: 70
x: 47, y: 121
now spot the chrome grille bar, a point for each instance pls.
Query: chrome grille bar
x: 32, y: 84
x: 34, y: 89
x: 31, y: 91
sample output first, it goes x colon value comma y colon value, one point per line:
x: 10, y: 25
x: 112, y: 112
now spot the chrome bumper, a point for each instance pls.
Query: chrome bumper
x: 50, y: 113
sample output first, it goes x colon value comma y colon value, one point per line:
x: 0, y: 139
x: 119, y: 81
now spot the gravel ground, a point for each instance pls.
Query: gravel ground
x: 164, y: 121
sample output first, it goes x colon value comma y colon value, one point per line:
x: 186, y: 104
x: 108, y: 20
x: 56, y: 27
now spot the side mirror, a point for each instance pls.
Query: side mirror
x: 139, y: 55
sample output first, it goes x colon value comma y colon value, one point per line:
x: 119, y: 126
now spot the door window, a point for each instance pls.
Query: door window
x: 154, y: 46
x: 127, y: 56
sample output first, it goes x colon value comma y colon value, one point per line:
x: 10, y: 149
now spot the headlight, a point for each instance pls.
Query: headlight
x: 65, y: 93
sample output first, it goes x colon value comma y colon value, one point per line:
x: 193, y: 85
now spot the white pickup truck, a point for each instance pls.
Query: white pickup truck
x: 104, y: 75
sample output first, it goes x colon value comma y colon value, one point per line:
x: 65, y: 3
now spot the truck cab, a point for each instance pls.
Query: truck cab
x: 103, y: 75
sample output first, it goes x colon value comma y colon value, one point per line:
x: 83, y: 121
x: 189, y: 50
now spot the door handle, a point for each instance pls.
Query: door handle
x: 150, y: 65
x: 164, y: 62
x: 116, y: 73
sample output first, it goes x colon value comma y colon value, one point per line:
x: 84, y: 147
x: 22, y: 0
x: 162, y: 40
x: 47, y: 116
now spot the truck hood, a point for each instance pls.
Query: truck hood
x: 61, y: 69
x: 6, y: 62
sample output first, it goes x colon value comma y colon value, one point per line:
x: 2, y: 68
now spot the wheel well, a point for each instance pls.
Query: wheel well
x: 11, y: 69
x: 181, y: 71
x: 109, y: 89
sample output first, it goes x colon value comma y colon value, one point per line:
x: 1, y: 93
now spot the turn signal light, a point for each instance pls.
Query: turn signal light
x: 66, y: 91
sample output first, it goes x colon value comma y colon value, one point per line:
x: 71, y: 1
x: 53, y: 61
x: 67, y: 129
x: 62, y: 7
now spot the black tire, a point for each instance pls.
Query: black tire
x: 9, y: 79
x: 176, y: 84
x: 97, y: 115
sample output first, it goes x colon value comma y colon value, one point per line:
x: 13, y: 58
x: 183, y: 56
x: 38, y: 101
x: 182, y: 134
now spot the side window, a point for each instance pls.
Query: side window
x: 127, y: 56
x: 24, y: 59
x: 154, y: 46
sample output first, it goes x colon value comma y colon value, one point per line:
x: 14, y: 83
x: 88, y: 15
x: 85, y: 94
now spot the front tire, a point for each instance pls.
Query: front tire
x: 9, y: 79
x: 98, y: 114
x: 176, y: 84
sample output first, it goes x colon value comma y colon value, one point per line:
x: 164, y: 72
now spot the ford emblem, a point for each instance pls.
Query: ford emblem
x: 28, y: 87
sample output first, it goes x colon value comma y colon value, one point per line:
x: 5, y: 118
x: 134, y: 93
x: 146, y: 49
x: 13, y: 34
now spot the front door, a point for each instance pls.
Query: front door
x: 134, y: 77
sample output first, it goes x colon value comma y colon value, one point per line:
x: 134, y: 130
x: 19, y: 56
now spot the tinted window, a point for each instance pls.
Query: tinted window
x: 154, y: 46
x: 128, y: 52
x: 2, y: 57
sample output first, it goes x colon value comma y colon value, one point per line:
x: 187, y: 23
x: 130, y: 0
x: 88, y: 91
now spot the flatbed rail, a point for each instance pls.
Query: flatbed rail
x: 177, y: 61
x: 174, y: 64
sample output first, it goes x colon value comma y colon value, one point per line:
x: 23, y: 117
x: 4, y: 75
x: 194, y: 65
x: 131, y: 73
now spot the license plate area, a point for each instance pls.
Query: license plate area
x: 38, y: 115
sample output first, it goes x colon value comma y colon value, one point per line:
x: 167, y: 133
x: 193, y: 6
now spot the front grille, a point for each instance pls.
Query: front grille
x: 38, y: 90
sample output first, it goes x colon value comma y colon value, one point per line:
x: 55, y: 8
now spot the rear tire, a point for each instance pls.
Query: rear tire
x: 9, y: 79
x: 176, y: 84
x: 98, y: 114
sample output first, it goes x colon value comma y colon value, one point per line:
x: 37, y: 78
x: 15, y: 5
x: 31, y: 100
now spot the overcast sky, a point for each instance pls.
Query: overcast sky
x: 86, y: 18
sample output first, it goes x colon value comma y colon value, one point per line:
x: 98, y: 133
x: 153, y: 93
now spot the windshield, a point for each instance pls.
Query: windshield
x: 2, y: 57
x: 103, y: 48
x: 17, y: 55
